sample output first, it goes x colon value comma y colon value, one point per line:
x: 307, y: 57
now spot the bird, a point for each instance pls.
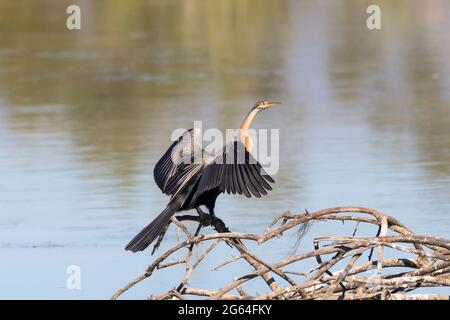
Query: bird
x: 191, y: 184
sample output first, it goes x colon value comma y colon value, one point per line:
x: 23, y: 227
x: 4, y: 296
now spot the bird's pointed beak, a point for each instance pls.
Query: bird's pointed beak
x: 274, y: 103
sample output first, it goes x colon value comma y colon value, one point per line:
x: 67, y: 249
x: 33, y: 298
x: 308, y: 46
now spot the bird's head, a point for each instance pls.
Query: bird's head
x: 263, y: 105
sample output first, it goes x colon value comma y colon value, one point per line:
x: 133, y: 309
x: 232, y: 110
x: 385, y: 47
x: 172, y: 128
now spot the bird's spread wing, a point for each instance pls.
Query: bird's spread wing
x: 235, y: 171
x: 179, y: 162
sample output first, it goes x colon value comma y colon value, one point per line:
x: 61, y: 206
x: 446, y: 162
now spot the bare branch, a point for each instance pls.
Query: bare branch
x: 333, y: 269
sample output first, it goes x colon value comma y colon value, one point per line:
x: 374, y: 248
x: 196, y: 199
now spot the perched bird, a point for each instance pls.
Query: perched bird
x: 192, y: 183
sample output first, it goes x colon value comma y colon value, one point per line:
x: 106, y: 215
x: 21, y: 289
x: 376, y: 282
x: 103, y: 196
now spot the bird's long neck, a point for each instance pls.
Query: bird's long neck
x: 243, y: 129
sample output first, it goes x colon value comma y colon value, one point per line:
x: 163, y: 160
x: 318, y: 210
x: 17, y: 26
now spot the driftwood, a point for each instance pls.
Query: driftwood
x: 342, y: 267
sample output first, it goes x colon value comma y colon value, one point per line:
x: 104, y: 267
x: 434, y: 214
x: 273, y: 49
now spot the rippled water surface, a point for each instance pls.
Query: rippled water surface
x: 85, y: 115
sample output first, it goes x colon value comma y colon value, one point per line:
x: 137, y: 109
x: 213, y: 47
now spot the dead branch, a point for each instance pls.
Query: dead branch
x: 336, y: 271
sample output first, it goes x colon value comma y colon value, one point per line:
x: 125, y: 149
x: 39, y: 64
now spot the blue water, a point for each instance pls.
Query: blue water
x: 85, y: 115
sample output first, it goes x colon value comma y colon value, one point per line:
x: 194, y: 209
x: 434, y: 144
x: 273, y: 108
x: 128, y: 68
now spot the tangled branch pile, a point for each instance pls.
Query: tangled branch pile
x: 341, y: 269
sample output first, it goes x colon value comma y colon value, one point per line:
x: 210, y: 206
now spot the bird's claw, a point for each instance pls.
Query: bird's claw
x: 204, y: 218
x: 219, y: 225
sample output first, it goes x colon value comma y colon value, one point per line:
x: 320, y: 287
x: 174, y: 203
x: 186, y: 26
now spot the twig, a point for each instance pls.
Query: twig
x: 331, y: 276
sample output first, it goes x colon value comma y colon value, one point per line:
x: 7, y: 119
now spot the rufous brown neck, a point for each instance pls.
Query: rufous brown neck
x: 243, y: 129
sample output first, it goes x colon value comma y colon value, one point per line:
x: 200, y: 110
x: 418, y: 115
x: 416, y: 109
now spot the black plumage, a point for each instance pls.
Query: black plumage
x: 192, y: 184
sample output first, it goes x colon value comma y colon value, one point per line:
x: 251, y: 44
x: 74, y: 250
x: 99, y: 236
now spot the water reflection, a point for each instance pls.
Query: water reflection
x: 84, y: 116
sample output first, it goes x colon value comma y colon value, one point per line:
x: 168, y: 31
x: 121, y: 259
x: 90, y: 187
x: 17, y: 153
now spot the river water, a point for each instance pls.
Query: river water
x: 85, y: 115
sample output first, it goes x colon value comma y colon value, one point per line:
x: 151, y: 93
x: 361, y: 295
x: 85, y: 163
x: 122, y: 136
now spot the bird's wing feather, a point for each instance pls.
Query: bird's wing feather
x: 235, y: 171
x: 177, y: 165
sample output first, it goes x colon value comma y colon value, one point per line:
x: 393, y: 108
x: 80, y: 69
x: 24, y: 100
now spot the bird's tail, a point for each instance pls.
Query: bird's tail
x: 146, y: 236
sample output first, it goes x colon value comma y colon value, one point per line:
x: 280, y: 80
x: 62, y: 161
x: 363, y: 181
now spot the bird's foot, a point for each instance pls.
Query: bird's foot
x: 204, y: 218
